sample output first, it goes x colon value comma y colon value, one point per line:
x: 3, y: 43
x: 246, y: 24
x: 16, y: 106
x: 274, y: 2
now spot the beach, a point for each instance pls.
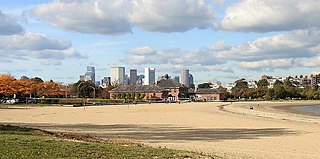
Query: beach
x: 229, y: 130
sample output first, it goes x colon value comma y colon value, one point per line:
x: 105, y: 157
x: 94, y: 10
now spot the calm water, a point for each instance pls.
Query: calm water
x: 309, y: 109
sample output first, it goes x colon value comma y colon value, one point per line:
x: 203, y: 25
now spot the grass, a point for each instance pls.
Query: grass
x: 25, y: 143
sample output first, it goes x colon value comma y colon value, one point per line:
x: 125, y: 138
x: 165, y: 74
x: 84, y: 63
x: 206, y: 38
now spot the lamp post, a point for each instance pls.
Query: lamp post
x: 94, y: 91
x: 78, y: 88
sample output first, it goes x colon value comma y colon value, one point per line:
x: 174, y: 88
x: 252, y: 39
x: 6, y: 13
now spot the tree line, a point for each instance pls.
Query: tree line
x: 11, y: 87
x: 287, y: 89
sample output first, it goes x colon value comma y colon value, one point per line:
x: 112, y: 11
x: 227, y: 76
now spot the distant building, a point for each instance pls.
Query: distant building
x: 315, y: 80
x: 205, y: 94
x: 190, y: 79
x: 117, y: 75
x: 149, y: 76
x: 139, y: 92
x: 185, y: 77
x: 140, y: 79
x: 252, y: 84
x: 133, y: 76
x: 105, y: 82
x: 266, y: 77
x: 90, y: 75
x: 175, y: 90
x: 177, y: 79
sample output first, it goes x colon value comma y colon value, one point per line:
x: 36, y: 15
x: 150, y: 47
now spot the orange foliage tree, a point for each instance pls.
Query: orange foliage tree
x: 35, y: 86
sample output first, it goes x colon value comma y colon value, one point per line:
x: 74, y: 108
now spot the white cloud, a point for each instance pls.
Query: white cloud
x: 8, y: 25
x: 220, y: 46
x: 310, y: 62
x: 87, y: 16
x: 271, y: 15
x: 33, y: 45
x: 172, y: 15
x: 295, y: 44
x: 148, y: 55
x: 146, y: 50
x: 268, y: 64
x: 119, y: 16
x: 51, y: 62
x: 32, y: 42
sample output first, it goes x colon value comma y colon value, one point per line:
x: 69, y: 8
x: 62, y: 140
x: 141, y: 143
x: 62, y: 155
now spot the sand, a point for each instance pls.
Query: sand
x: 228, y: 130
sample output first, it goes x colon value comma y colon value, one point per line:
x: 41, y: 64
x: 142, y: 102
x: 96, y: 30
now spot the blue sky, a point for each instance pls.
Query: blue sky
x: 217, y: 40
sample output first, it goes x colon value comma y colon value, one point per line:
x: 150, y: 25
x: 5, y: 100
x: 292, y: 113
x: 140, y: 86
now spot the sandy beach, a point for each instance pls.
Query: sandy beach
x: 230, y: 130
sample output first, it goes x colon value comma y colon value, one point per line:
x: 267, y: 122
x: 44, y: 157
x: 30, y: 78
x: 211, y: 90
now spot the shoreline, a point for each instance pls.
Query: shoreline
x: 275, y: 110
x: 289, y: 109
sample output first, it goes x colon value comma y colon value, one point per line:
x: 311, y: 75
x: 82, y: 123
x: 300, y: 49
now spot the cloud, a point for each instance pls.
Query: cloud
x: 8, y: 25
x: 87, y: 16
x: 171, y: 16
x: 294, y: 44
x: 310, y: 62
x: 146, y: 50
x: 51, y: 62
x: 120, y: 16
x: 56, y: 54
x: 220, y: 46
x: 16, y: 44
x: 271, y: 15
x: 34, y: 45
x: 268, y: 65
x: 32, y: 42
x: 148, y: 55
x: 280, y: 51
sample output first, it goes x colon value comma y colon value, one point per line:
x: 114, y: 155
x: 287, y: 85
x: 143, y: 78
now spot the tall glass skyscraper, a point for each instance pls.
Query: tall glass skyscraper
x: 185, y: 77
x: 149, y: 76
x: 133, y: 76
x: 90, y: 75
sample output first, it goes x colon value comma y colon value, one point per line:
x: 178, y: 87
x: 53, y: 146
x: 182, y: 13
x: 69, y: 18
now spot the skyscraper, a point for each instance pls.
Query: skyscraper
x: 177, y: 79
x: 185, y: 77
x: 133, y: 76
x: 117, y: 75
x: 190, y: 79
x: 149, y: 76
x: 90, y: 75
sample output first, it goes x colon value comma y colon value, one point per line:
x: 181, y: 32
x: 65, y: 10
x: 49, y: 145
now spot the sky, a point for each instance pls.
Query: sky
x: 217, y: 40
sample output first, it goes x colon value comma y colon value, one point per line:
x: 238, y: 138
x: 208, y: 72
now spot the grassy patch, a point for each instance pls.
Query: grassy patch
x: 20, y: 143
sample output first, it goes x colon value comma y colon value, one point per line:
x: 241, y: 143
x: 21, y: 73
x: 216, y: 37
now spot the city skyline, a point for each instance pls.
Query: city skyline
x: 218, y: 40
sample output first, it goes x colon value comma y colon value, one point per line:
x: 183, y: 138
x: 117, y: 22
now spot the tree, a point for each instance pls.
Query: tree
x: 192, y: 86
x: 263, y: 83
x: 205, y: 85
x: 225, y: 94
x: 85, y: 89
x: 278, y: 83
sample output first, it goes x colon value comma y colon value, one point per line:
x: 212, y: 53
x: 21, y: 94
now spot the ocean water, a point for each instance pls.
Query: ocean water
x: 309, y: 109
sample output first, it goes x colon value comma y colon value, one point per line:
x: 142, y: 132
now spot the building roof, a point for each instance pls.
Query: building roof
x: 168, y: 83
x: 137, y: 89
x: 207, y: 91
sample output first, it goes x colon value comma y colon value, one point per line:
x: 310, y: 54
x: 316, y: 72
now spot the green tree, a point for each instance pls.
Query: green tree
x: 205, y: 85
x: 263, y: 83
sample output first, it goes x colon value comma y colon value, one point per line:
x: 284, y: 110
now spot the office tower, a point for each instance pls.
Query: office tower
x: 185, y: 77
x: 90, y: 75
x: 190, y: 79
x: 117, y: 75
x: 149, y: 76
x: 133, y: 76
x: 105, y: 82
x: 140, y: 79
x: 177, y: 79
